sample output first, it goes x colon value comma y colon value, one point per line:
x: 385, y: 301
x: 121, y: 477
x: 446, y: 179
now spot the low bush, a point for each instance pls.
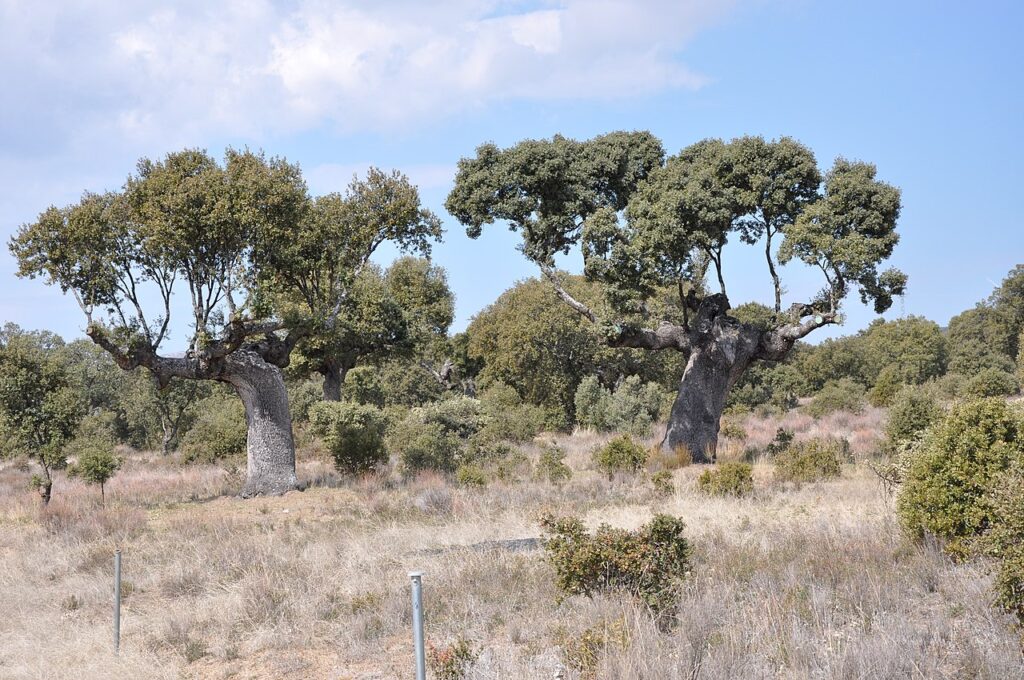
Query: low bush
x: 425, y: 446
x: 949, y: 475
x: 991, y: 382
x: 837, y: 395
x: 353, y: 434
x: 732, y: 430
x: 621, y: 454
x: 663, y: 484
x: 219, y: 432
x: 451, y: 661
x: 887, y: 385
x: 471, y: 474
x: 582, y: 651
x: 783, y: 440
x: 632, y: 408
x: 649, y: 563
x: 1004, y: 541
x: 507, y: 417
x: 811, y: 460
x: 393, y: 383
x: 551, y: 465
x: 727, y: 479
x: 436, y: 436
x: 913, y: 411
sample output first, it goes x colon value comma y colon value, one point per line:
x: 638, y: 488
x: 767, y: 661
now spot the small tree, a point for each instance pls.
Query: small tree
x: 96, y: 465
x: 40, y: 406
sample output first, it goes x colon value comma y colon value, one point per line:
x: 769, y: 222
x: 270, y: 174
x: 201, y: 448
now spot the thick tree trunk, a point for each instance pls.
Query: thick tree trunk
x: 697, y: 411
x: 722, y: 350
x: 334, y: 378
x: 270, y: 447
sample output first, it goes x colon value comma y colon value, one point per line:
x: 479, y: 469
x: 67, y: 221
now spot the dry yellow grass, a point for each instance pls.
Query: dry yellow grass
x: 812, y: 582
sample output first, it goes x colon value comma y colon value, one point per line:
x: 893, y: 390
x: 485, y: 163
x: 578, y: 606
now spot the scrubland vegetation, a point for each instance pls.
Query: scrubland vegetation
x: 799, y: 580
x: 612, y: 475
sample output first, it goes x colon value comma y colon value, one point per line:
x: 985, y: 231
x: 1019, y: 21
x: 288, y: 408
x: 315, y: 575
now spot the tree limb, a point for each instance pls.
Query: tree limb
x: 551, y: 276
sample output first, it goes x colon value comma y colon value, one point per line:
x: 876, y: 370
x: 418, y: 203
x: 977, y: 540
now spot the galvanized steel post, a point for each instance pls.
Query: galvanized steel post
x: 117, y: 602
x: 417, y: 624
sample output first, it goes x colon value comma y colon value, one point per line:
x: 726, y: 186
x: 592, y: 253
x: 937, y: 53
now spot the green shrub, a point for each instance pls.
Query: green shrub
x: 437, y: 436
x: 1005, y: 539
x: 783, y: 440
x: 991, y: 382
x: 951, y: 386
x: 393, y: 383
x: 219, y: 432
x: 632, y: 408
x: 913, y: 411
x: 302, y: 396
x: 459, y: 415
x: 811, y: 460
x: 471, y: 474
x: 648, y: 563
x: 621, y: 454
x: 727, y: 479
x: 732, y: 430
x: 507, y: 417
x: 353, y: 434
x: 451, y: 661
x: 582, y: 651
x: 592, y: 401
x: 425, y: 446
x: 950, y: 474
x: 837, y: 395
x: 551, y: 465
x: 887, y: 385
x: 663, y: 484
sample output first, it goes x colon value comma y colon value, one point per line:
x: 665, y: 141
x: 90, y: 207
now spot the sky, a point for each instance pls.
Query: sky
x: 930, y: 92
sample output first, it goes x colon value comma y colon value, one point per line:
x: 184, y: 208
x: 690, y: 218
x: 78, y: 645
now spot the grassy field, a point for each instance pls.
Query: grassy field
x: 794, y: 582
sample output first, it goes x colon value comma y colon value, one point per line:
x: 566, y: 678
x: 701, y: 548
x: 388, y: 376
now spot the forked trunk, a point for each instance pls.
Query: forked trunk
x: 713, y: 368
x: 697, y: 410
x: 269, y: 445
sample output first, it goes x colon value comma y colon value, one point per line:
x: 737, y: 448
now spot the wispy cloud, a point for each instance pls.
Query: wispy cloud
x: 86, y: 71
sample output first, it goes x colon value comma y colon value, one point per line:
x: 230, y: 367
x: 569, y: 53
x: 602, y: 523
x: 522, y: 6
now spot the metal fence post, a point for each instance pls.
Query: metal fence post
x: 417, y: 624
x: 117, y: 602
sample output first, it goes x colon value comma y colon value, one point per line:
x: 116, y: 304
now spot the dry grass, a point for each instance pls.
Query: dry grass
x: 862, y: 430
x: 795, y: 583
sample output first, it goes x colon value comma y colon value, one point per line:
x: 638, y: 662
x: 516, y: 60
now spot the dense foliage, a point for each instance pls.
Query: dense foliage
x: 945, y: 491
x: 727, y: 479
x: 648, y: 563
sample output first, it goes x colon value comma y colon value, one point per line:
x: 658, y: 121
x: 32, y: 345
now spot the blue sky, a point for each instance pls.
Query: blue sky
x: 931, y: 92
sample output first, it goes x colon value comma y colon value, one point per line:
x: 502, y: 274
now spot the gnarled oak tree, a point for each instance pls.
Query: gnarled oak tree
x: 264, y: 264
x: 644, y: 222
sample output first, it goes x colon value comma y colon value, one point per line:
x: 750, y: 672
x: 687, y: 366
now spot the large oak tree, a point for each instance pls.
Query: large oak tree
x: 644, y: 222
x: 263, y: 265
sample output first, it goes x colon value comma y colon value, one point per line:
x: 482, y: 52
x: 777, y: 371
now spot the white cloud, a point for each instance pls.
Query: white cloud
x: 148, y: 70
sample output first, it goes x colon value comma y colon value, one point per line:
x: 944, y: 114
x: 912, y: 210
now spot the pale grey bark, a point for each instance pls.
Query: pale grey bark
x: 720, y: 349
x: 270, y: 448
x: 254, y: 370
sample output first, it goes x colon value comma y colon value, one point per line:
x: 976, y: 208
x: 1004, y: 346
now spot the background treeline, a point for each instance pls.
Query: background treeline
x: 407, y: 388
